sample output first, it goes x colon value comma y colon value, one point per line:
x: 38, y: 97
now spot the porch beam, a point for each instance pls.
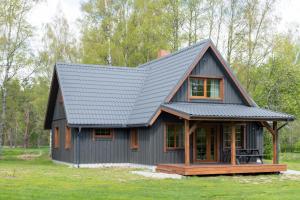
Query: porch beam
x: 275, y: 144
x: 193, y: 127
x: 268, y: 127
x: 187, y: 142
x: 233, y: 148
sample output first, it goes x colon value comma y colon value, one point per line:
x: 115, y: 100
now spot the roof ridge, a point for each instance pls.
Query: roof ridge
x: 174, y: 53
x: 101, y: 66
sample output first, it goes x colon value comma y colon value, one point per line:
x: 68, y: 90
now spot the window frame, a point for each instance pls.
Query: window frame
x: 243, y: 137
x: 166, y: 148
x: 68, y: 137
x: 56, y: 137
x: 205, y: 79
x: 134, y: 139
x: 110, y: 136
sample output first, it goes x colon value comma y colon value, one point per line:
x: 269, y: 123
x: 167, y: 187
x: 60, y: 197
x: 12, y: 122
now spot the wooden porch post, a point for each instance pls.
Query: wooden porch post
x: 275, y: 143
x: 233, y: 149
x: 187, y: 142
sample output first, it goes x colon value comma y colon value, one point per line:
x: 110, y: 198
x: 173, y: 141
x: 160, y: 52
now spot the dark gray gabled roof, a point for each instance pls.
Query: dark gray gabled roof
x: 105, y: 96
x: 162, y: 76
x: 226, y: 111
x: 99, y: 95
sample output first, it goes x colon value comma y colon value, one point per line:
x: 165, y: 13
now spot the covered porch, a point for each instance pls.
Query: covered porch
x: 213, y: 143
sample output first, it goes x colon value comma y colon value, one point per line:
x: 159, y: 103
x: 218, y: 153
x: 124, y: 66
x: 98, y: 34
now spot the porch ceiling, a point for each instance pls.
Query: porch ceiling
x: 224, y: 112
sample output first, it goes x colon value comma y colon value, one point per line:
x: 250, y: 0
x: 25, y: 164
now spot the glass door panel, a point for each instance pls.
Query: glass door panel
x: 205, y: 144
x: 201, y: 142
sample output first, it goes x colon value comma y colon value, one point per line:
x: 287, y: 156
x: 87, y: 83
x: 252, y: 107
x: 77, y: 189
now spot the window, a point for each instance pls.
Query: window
x: 56, y: 137
x: 174, y: 136
x: 134, y: 141
x: 239, y: 136
x: 103, y: 133
x: 68, y: 138
x: 205, y: 87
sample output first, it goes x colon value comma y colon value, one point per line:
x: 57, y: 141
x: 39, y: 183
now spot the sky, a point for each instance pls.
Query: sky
x: 287, y: 10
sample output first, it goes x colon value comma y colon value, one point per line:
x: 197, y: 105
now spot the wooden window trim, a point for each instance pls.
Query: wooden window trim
x: 68, y: 138
x: 110, y: 136
x: 134, y: 136
x: 243, y: 139
x: 56, y: 137
x: 205, y: 78
x: 166, y: 148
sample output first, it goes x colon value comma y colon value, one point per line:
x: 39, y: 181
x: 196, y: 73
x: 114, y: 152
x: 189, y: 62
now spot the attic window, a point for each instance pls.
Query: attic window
x: 205, y: 88
x: 103, y: 133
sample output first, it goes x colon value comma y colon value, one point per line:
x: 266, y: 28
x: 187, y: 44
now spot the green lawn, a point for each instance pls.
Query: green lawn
x: 23, y: 177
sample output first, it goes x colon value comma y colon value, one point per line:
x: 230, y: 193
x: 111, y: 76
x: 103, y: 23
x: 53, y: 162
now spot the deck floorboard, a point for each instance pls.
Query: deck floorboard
x: 219, y: 169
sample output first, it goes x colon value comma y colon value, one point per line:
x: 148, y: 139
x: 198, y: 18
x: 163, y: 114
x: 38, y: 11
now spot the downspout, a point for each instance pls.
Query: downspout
x: 78, y: 147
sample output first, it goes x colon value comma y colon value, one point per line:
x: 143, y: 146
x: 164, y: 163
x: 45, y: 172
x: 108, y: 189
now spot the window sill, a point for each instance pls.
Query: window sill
x: 135, y: 148
x: 209, y: 98
x: 175, y: 149
x: 103, y: 137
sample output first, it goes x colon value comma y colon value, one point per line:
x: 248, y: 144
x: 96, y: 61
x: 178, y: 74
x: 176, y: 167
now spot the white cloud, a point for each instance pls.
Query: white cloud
x: 45, y: 11
x: 289, y: 12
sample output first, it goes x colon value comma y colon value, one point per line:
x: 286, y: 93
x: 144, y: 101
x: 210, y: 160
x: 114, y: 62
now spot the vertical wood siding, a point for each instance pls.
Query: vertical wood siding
x: 59, y: 120
x: 210, y: 66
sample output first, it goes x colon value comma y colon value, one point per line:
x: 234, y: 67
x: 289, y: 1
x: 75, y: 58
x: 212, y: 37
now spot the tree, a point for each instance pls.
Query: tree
x: 15, y: 33
x: 193, y: 22
x: 257, y: 37
x: 175, y: 22
x: 59, y: 44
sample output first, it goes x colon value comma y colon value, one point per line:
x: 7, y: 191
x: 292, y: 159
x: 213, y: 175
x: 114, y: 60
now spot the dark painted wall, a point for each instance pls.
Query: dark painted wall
x: 151, y: 145
x: 117, y: 149
x: 210, y: 66
x: 59, y: 120
x: 254, y: 139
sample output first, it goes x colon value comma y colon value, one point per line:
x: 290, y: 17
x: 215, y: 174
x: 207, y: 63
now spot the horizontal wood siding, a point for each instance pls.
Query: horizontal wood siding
x: 210, y: 66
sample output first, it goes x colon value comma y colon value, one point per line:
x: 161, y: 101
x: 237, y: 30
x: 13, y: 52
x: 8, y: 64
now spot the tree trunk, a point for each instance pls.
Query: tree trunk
x: 26, y: 135
x: 3, y: 115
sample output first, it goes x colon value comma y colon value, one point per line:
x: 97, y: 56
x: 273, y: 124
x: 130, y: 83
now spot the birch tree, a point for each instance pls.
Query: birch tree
x: 15, y: 32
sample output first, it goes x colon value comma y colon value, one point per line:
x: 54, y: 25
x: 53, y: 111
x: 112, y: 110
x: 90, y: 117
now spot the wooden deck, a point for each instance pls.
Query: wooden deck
x: 216, y: 169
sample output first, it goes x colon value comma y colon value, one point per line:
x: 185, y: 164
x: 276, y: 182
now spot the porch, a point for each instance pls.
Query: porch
x: 213, y: 143
x: 220, y: 169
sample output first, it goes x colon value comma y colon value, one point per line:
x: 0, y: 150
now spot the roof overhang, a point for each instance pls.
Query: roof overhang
x: 223, y: 112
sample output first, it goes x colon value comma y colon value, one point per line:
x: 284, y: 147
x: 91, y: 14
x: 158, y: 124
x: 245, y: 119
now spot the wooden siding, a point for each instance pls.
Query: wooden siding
x: 59, y: 120
x: 61, y: 153
x: 151, y: 145
x: 220, y: 169
x: 210, y: 67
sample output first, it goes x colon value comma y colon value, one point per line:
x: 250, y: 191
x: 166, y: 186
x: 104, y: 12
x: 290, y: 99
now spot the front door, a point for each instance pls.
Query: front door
x: 205, y: 144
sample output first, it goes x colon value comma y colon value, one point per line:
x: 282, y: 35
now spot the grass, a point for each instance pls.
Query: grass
x: 34, y: 176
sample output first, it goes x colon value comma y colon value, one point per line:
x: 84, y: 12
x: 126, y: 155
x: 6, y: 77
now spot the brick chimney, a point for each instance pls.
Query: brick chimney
x: 162, y: 53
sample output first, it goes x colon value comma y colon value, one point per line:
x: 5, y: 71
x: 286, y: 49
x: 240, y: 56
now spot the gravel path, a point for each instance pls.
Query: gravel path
x: 291, y: 172
x: 157, y: 175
